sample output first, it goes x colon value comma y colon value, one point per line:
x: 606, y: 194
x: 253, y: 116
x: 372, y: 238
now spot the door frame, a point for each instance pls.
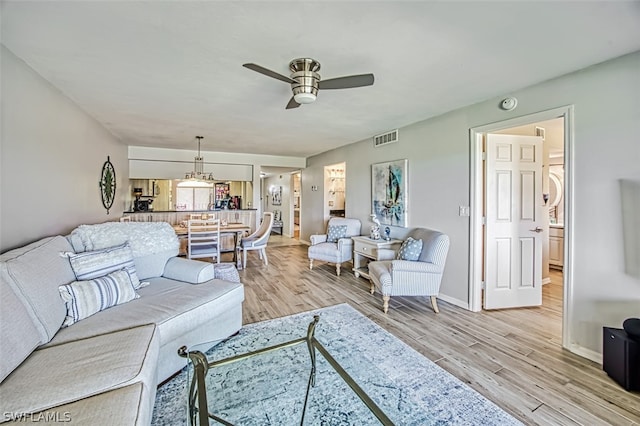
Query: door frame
x: 476, y: 234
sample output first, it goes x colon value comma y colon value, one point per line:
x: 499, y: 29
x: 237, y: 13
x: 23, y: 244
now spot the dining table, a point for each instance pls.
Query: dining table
x: 237, y: 230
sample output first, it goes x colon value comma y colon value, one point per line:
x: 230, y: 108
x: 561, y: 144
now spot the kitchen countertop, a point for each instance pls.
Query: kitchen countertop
x: 191, y: 211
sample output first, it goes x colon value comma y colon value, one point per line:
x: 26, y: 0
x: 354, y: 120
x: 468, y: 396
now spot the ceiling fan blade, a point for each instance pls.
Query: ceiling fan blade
x: 268, y: 72
x: 347, y: 82
x: 292, y: 104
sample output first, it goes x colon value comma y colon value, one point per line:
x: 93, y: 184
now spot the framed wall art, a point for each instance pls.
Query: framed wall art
x: 276, y: 196
x: 389, y: 192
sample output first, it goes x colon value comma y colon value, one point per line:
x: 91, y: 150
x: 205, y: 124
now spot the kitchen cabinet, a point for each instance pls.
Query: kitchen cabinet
x: 556, y: 247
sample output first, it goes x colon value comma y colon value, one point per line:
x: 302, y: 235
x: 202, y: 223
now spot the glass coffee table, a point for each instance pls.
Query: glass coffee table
x: 279, y: 384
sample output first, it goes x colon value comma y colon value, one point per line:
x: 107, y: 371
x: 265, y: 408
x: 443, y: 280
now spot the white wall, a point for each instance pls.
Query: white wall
x: 52, y: 154
x: 606, y: 124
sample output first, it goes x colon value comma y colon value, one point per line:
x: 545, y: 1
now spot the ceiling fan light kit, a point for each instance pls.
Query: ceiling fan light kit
x: 305, y: 74
x: 304, y: 98
x: 305, y: 80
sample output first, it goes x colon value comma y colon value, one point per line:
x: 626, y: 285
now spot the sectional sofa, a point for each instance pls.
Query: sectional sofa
x: 61, y: 362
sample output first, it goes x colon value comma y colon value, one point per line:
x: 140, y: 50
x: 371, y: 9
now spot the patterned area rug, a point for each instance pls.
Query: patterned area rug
x: 269, y: 389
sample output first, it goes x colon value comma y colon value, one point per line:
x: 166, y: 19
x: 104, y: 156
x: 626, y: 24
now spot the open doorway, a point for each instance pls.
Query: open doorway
x: 296, y: 202
x: 556, y: 213
x: 334, y: 196
x: 552, y: 134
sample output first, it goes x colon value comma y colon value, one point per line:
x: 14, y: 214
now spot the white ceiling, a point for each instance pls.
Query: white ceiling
x: 159, y: 73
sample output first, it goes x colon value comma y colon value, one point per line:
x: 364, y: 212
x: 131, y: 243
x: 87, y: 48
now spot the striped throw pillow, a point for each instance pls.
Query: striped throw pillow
x: 85, y: 298
x: 93, y: 264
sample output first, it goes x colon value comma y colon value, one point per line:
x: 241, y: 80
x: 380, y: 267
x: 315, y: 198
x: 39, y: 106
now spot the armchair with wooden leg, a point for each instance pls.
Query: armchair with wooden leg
x: 417, y: 269
x: 336, y: 246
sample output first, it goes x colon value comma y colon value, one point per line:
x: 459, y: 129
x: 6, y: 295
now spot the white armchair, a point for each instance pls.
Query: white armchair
x: 339, y: 251
x: 412, y: 278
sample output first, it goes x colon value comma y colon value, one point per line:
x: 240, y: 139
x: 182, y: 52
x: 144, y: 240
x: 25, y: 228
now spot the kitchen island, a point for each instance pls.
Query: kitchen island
x: 176, y: 217
x: 244, y: 220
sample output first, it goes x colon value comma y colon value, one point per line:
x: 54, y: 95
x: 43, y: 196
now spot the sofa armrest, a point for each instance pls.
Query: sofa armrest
x: 187, y: 270
x: 412, y: 266
x: 317, y: 239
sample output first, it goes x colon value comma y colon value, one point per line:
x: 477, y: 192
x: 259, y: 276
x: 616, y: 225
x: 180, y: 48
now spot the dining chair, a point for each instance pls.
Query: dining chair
x: 203, y: 239
x: 258, y: 240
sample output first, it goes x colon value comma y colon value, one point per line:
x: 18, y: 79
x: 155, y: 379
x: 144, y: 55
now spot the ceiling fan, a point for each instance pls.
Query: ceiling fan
x: 305, y: 80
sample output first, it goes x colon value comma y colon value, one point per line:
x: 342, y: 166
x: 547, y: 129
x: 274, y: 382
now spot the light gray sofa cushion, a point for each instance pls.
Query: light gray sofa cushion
x: 62, y: 374
x: 187, y: 270
x: 122, y: 406
x: 176, y: 308
x: 35, y: 272
x: 19, y: 336
x: 173, y: 306
x: 152, y: 265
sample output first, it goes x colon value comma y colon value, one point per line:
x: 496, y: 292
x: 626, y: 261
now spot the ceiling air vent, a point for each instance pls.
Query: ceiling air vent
x: 385, y: 138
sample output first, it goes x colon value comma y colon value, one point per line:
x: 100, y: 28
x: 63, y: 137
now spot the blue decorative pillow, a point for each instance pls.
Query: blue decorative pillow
x: 410, y: 250
x: 335, y: 232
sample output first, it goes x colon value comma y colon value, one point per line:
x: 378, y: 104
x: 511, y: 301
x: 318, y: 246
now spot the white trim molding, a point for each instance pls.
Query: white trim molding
x: 454, y: 301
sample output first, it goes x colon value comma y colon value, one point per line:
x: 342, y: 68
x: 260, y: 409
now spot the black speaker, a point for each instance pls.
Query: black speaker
x: 621, y: 358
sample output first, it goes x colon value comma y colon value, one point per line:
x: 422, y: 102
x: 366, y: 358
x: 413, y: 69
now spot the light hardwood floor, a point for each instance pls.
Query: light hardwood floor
x: 512, y: 357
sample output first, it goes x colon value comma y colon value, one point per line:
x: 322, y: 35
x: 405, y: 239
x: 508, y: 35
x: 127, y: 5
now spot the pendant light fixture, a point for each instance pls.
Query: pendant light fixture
x: 198, y: 166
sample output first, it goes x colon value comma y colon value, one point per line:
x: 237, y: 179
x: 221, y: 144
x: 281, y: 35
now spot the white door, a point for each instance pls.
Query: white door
x: 514, y: 211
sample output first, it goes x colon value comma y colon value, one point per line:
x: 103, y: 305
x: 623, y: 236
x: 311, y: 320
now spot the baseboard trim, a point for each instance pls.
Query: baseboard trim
x: 454, y: 301
x: 586, y: 353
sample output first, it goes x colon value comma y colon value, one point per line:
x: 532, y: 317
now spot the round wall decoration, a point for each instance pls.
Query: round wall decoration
x: 108, y: 184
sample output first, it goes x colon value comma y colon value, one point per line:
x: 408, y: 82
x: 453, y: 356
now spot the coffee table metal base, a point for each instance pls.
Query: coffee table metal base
x: 198, y: 408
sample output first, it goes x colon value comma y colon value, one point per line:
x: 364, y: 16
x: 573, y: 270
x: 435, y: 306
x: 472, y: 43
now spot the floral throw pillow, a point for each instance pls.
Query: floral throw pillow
x: 410, y: 250
x: 335, y: 232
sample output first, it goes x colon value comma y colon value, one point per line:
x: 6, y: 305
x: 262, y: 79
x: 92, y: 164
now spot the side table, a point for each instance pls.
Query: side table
x: 276, y: 228
x: 365, y: 250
